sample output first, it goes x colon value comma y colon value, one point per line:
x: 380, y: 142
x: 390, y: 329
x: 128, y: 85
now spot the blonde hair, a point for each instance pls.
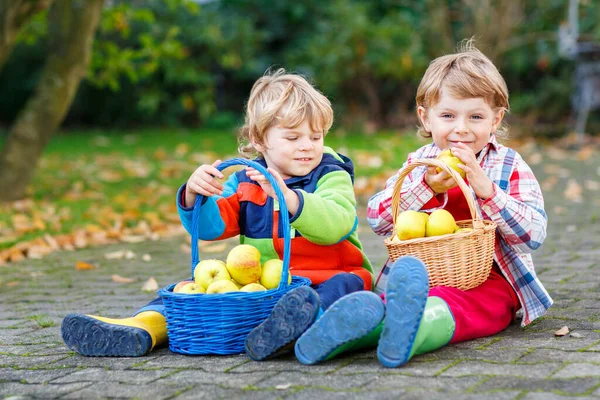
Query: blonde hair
x: 279, y: 98
x: 468, y: 73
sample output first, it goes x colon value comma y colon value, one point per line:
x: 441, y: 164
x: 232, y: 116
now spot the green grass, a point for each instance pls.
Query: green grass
x: 98, y: 177
x: 42, y: 320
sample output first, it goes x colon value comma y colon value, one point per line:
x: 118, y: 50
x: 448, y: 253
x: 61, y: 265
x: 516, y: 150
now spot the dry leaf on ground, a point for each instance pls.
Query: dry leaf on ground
x: 573, y: 191
x: 151, y: 285
x: 212, y: 248
x: 83, y: 266
x: 115, y: 255
x: 120, y: 279
x: 562, y: 331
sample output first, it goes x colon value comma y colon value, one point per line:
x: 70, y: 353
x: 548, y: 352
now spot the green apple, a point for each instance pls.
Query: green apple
x: 191, y: 288
x: 253, y: 287
x: 223, y: 286
x: 271, y: 273
x: 447, y: 157
x: 209, y: 271
x: 440, y: 222
x: 243, y: 264
x: 411, y: 224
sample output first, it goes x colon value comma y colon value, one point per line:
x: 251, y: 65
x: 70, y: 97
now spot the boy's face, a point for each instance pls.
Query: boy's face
x: 292, y: 151
x: 453, y: 120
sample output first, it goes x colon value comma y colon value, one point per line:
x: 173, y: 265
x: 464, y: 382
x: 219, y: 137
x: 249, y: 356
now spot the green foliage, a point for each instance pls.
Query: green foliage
x: 182, y: 62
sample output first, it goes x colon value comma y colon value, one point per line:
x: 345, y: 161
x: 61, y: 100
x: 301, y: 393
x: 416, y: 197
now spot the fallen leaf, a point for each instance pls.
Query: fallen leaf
x: 213, y: 248
x: 147, y: 257
x: 592, y: 185
x: 283, y: 387
x: 119, y: 279
x: 186, y: 248
x: 558, y: 210
x: 151, y: 285
x: 115, y: 255
x: 534, y: 159
x: 573, y: 191
x: 562, y: 331
x: 133, y: 239
x: 83, y: 266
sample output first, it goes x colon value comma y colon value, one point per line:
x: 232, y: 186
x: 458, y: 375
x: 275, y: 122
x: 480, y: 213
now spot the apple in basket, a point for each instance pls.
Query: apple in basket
x: 271, y: 273
x: 181, y: 284
x: 452, y: 161
x: 243, y: 264
x: 253, y: 287
x: 189, y: 287
x: 411, y: 224
x: 209, y: 271
x: 222, y: 286
x: 440, y: 222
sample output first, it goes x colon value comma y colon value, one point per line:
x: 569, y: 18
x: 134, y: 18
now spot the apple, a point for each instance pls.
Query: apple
x: 222, y: 286
x: 243, y: 264
x: 271, y: 273
x: 192, y: 288
x: 452, y: 161
x: 180, y: 285
x: 253, y: 287
x: 209, y: 271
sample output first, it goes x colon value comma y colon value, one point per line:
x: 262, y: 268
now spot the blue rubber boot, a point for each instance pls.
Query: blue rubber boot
x: 293, y: 314
x: 406, y: 294
x: 96, y: 336
x: 351, y: 318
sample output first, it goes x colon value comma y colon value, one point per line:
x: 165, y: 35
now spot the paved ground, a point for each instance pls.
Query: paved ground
x: 526, y: 364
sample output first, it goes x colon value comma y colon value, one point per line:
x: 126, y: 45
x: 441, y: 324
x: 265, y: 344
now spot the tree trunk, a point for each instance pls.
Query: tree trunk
x: 13, y: 15
x: 71, y: 27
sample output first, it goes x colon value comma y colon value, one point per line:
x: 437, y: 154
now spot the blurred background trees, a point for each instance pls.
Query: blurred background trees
x: 183, y: 62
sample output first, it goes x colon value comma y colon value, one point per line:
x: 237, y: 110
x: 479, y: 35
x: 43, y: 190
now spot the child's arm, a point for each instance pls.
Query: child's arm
x: 519, y: 213
x: 327, y: 215
x: 414, y: 194
x: 219, y: 215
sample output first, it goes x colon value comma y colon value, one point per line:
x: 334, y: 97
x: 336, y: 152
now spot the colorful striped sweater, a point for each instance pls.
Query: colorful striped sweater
x: 323, y: 230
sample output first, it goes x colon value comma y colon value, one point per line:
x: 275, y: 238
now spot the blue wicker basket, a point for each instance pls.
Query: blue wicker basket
x: 219, y: 323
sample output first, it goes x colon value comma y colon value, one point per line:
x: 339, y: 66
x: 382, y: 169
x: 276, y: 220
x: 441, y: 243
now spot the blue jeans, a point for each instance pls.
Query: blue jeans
x: 329, y: 291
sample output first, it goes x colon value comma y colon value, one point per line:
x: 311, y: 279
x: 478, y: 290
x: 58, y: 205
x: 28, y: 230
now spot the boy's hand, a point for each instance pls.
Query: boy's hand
x: 291, y: 198
x: 203, y: 182
x: 439, y: 182
x: 479, y: 181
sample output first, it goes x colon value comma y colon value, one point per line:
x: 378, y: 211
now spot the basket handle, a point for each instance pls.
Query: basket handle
x: 477, y: 222
x: 283, y: 211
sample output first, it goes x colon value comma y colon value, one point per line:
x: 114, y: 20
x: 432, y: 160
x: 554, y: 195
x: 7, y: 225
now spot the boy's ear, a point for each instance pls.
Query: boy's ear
x: 257, y: 146
x: 422, y: 113
x: 497, y: 119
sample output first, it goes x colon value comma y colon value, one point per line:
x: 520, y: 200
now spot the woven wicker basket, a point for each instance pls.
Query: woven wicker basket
x: 462, y: 260
x: 219, y: 323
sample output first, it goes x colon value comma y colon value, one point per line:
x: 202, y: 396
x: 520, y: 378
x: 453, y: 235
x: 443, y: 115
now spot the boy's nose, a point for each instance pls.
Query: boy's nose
x: 461, y: 126
x: 305, y: 145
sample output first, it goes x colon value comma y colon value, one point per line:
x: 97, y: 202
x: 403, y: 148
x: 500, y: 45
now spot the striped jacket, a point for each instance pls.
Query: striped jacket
x: 323, y: 230
x: 517, y: 207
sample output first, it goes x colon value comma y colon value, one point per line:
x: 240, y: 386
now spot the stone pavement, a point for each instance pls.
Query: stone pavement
x: 525, y: 364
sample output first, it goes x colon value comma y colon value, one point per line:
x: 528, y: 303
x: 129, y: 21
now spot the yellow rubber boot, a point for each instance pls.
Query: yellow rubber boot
x: 92, y: 335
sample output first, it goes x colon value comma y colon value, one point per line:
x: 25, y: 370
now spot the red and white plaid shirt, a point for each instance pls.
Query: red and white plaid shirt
x: 517, y: 207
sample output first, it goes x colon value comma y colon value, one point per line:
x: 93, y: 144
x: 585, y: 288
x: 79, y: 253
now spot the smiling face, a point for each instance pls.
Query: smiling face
x: 292, y: 151
x: 452, y: 120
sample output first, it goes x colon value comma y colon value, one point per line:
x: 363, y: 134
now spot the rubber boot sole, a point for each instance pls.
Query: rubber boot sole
x: 91, y: 337
x: 406, y: 293
x: 291, y: 316
x: 349, y: 318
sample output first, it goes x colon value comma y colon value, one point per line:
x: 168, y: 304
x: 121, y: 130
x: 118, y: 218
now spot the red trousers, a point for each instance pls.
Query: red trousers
x: 482, y: 311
